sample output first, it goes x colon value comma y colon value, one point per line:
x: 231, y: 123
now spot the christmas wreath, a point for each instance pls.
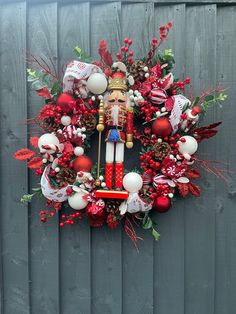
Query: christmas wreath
x: 122, y: 101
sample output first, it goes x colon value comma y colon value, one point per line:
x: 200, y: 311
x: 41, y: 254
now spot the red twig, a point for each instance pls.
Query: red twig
x: 41, y: 64
x: 209, y: 166
x: 129, y: 229
x: 210, y: 91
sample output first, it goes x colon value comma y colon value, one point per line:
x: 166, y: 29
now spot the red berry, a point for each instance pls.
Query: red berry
x: 187, y: 80
x: 130, y: 42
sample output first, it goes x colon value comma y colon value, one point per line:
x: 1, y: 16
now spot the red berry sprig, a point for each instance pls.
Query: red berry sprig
x: 122, y: 56
x: 70, y: 219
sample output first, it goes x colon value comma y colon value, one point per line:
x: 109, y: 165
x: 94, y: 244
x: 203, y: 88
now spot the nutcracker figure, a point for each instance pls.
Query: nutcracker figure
x: 116, y: 117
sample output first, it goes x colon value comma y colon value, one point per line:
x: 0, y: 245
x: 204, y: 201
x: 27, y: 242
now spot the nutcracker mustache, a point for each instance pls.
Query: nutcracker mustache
x: 119, y: 100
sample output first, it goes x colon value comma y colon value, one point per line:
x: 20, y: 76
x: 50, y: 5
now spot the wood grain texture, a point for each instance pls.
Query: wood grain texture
x: 106, y: 249
x: 75, y: 249
x: 138, y: 24
x: 169, y: 251
x: 14, y: 181
x: 225, y: 259
x: 200, y: 213
x: 44, y: 238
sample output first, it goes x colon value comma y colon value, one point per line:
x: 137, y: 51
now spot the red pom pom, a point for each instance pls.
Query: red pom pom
x: 66, y: 102
x: 83, y: 163
x: 162, y: 204
x: 161, y: 127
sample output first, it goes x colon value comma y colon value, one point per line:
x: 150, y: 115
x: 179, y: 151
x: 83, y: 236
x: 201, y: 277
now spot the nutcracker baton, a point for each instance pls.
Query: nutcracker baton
x: 100, y: 128
x: 99, y: 157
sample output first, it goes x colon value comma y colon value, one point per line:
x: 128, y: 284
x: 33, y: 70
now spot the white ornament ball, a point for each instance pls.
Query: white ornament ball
x: 47, y: 139
x: 78, y: 151
x: 189, y: 146
x: 76, y: 200
x: 132, y: 182
x: 97, y: 83
x: 65, y: 120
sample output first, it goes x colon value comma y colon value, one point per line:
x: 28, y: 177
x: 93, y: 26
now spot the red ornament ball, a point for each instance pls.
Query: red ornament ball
x: 82, y: 163
x: 161, y: 127
x: 66, y: 102
x: 162, y: 204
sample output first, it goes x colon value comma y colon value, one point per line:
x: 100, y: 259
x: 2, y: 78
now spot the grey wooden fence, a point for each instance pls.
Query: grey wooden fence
x: 76, y: 270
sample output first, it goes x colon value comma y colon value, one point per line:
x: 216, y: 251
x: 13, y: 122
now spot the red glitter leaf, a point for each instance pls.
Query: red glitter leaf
x: 194, y: 189
x: 183, y: 189
x: 34, y: 141
x: 24, y: 154
x: 192, y: 174
x: 35, y: 163
x: 44, y: 92
x: 104, y: 53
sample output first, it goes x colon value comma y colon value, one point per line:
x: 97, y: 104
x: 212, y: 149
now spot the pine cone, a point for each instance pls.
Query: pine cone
x: 161, y: 150
x: 49, y: 125
x: 112, y: 205
x: 89, y: 122
x: 137, y: 70
x: 65, y: 176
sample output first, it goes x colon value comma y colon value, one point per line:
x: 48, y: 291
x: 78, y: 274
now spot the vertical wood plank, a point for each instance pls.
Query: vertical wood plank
x: 200, y: 214
x: 169, y: 251
x: 14, y: 181
x: 137, y: 24
x: 75, y: 249
x: 44, y: 239
x: 225, y: 271
x: 1, y: 271
x: 106, y: 244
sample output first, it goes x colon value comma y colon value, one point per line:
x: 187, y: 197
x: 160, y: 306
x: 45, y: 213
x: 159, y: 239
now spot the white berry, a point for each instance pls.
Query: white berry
x: 163, y: 109
x: 57, y: 169
x: 78, y: 151
x: 65, y: 120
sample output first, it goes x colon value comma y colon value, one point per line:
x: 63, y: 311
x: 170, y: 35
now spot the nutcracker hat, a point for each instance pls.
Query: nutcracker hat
x: 117, y: 81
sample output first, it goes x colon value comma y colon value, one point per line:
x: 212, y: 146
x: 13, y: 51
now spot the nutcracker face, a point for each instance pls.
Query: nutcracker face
x: 117, y: 97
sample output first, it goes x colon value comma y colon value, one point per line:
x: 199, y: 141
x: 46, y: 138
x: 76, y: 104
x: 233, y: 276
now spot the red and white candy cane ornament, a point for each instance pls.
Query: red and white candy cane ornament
x: 158, y: 96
